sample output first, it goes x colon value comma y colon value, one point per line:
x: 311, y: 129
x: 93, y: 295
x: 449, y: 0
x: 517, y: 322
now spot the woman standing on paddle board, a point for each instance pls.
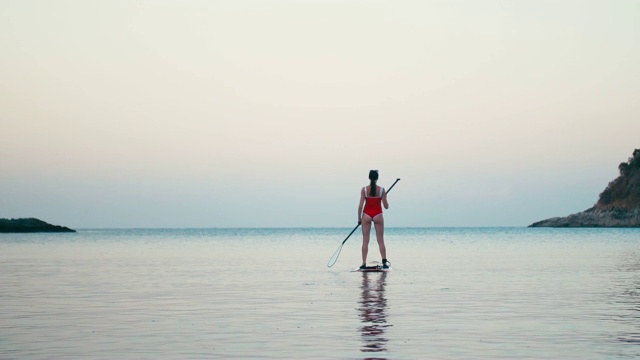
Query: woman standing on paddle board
x: 372, y: 198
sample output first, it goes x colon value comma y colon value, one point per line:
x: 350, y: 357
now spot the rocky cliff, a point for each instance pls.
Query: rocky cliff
x: 617, y: 206
x: 29, y: 225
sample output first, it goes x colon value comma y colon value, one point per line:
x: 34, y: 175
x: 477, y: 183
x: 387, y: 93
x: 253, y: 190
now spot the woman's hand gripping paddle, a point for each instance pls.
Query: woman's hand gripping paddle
x: 334, y: 258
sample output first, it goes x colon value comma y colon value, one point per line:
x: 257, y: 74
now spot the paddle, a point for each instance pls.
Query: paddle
x: 334, y: 258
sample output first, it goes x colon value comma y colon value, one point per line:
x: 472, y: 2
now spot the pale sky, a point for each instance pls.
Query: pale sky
x: 271, y: 113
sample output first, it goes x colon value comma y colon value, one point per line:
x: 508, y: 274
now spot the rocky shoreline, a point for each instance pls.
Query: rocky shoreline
x: 617, y: 206
x: 30, y: 225
x: 594, y: 217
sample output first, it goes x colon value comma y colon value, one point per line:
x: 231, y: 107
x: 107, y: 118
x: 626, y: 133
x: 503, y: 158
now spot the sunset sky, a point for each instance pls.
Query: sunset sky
x: 271, y: 113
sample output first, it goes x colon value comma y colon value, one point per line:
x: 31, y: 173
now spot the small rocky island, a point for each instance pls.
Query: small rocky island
x: 30, y: 225
x: 618, y: 205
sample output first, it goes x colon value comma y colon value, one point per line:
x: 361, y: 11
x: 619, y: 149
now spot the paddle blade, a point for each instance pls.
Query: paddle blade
x: 334, y: 258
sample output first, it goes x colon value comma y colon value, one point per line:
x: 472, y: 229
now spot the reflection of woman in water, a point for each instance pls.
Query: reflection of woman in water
x: 373, y: 306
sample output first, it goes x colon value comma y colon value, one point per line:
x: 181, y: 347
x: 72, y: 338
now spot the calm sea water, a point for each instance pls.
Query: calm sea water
x: 460, y: 293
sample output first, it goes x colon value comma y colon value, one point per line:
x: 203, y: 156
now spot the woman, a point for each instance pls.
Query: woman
x: 372, y: 197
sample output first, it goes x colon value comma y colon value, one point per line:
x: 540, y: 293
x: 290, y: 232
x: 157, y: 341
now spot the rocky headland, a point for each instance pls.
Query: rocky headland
x: 618, y: 205
x: 30, y: 225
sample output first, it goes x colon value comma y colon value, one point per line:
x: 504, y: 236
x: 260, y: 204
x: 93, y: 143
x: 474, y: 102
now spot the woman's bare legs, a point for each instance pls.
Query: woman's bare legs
x: 366, y: 231
x: 378, y: 223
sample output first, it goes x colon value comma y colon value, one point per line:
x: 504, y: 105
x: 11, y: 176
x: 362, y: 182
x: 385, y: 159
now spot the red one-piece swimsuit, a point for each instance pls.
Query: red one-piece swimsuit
x: 373, y: 204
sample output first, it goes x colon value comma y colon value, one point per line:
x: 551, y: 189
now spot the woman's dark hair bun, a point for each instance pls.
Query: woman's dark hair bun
x: 373, y: 176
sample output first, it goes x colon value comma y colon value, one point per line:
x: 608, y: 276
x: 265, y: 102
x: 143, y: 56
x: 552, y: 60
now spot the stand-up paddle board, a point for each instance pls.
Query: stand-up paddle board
x: 374, y: 268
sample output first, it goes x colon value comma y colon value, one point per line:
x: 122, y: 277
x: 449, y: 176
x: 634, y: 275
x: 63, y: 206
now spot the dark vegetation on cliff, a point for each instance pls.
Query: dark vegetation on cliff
x: 29, y: 225
x: 624, y: 191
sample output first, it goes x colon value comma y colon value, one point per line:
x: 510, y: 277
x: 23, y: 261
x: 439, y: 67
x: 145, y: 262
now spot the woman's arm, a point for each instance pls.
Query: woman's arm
x: 384, y: 199
x: 360, y: 206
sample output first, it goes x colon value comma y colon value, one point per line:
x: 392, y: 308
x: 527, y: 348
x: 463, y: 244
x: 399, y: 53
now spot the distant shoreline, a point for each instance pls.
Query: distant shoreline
x: 618, y: 205
x: 30, y: 225
x: 334, y: 228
